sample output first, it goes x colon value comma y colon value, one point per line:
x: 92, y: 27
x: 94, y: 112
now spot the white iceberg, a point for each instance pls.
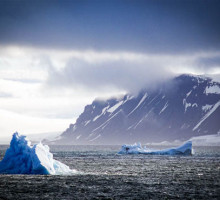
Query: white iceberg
x: 185, y: 149
x: 22, y: 158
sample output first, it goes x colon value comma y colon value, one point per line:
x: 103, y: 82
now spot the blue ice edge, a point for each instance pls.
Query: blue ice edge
x: 23, y: 158
x: 185, y: 149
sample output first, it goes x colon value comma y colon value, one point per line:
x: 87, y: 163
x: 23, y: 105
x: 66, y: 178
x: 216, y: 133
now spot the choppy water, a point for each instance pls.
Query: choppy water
x: 106, y: 175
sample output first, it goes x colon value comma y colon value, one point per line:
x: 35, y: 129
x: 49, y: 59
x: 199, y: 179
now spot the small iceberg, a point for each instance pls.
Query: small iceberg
x: 185, y: 149
x: 22, y: 158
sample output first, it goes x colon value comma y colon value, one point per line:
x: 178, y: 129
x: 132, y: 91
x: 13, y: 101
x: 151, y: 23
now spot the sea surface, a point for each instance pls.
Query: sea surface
x: 103, y: 174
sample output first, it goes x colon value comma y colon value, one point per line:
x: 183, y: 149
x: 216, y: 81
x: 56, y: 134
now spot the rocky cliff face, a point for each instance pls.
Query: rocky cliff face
x: 183, y: 107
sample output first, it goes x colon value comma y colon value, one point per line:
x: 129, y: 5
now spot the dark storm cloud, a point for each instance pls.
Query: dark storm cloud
x: 156, y: 26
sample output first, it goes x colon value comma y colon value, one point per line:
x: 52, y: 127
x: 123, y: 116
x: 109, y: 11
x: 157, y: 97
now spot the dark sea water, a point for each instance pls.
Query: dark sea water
x: 105, y: 175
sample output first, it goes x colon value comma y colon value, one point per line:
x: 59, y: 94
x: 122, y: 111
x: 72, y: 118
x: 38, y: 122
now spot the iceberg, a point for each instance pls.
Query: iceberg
x: 23, y: 158
x: 185, y: 149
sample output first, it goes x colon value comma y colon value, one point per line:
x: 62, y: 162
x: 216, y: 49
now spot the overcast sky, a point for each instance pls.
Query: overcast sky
x: 58, y: 56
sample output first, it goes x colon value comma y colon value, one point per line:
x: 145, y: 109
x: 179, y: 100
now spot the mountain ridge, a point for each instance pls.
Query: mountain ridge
x: 181, y: 108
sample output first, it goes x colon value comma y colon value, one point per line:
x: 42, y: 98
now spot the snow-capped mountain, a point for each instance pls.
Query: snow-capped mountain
x: 181, y: 108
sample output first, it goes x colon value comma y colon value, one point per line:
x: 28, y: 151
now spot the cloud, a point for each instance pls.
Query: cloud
x: 125, y: 70
x: 121, y: 74
x: 213, y: 62
x: 153, y: 26
x: 57, y: 84
x: 12, y: 122
x: 97, y: 72
x: 5, y: 95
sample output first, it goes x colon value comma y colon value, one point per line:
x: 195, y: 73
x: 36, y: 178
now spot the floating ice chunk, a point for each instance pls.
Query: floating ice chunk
x: 22, y: 158
x: 185, y: 149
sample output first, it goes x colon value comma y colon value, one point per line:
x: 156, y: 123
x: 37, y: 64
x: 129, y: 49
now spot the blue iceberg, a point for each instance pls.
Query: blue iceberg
x: 185, y: 149
x: 22, y: 158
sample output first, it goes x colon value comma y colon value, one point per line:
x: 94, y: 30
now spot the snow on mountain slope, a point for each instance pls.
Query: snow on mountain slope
x: 179, y: 109
x: 141, y: 101
x: 212, y: 89
x: 207, y: 115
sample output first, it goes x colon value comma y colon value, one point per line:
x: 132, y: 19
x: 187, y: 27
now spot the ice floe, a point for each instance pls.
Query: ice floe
x: 185, y: 149
x: 23, y: 158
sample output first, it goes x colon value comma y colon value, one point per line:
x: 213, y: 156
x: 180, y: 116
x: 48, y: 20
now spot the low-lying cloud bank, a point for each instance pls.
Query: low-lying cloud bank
x: 99, y: 71
x: 128, y: 71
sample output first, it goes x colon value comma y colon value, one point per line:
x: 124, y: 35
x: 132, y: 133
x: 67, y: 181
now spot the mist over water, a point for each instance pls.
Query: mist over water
x: 104, y: 174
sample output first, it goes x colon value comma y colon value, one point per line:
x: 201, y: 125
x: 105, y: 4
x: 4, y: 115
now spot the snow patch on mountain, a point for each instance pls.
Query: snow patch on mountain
x: 215, y: 89
x: 207, y: 115
x: 128, y: 98
x: 74, y: 128
x: 138, y: 123
x: 106, y: 121
x: 77, y: 137
x: 207, y: 107
x: 115, y: 107
x: 140, y: 102
x: 186, y: 104
x: 95, y: 138
x: 165, y: 106
x: 185, y: 126
x: 87, y: 122
x: 188, y: 93
x: 103, y: 112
